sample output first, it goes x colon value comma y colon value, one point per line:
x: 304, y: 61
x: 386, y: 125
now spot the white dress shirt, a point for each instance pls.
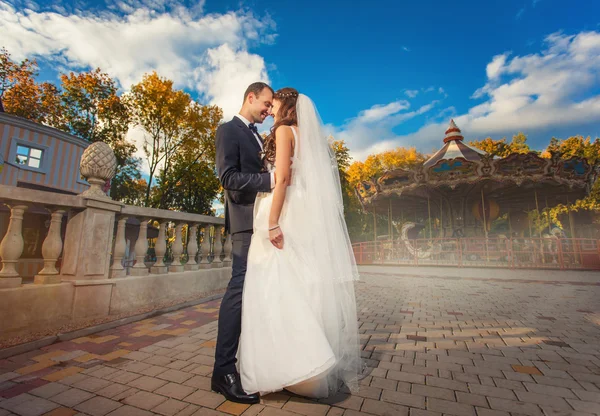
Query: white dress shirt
x: 258, y: 139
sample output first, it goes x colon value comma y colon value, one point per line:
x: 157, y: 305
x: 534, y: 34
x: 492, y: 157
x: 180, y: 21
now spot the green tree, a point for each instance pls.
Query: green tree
x: 188, y: 183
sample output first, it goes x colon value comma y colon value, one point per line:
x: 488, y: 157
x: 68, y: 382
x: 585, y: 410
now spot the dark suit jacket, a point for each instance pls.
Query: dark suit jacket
x: 241, y: 173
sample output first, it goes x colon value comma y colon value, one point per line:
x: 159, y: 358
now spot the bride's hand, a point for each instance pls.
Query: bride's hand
x: 276, y: 237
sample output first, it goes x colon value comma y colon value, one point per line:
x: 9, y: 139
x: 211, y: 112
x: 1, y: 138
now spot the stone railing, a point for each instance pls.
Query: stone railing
x: 86, y: 274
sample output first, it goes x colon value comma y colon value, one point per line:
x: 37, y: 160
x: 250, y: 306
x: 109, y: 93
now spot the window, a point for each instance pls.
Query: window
x: 26, y: 155
x: 29, y: 156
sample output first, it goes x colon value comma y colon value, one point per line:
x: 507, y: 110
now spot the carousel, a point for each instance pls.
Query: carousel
x: 465, y: 207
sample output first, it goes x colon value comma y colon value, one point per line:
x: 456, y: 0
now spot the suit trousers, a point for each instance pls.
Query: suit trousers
x: 230, y: 312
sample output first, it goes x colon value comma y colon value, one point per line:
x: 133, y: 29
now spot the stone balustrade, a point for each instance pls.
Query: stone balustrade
x: 85, y: 270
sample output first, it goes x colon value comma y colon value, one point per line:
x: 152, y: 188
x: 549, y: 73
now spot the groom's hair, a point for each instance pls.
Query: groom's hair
x: 256, y: 88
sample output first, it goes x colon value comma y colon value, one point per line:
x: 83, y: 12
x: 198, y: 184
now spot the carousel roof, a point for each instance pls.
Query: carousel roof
x: 458, y: 170
x: 454, y: 147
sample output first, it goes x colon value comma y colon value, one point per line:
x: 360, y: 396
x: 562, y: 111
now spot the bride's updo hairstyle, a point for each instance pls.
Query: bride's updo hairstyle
x: 287, y: 117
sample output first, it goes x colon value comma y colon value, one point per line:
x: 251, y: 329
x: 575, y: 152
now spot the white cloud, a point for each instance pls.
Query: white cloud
x: 138, y: 36
x: 411, y: 93
x: 406, y: 49
x: 208, y: 53
x: 380, y: 111
x: 556, y: 88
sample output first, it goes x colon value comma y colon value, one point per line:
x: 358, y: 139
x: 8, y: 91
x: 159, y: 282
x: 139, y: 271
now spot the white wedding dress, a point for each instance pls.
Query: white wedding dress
x: 299, y: 324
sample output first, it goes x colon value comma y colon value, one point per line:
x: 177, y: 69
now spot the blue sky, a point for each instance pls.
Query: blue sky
x: 382, y: 73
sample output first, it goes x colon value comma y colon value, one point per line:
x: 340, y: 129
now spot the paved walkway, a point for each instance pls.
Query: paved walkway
x: 476, y: 347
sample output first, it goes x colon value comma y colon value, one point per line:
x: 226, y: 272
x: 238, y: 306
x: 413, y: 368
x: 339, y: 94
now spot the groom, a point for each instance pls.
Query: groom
x: 242, y: 175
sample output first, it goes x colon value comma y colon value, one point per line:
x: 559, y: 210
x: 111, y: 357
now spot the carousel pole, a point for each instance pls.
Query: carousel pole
x: 487, y: 255
x: 483, y: 214
x: 429, y: 216
x: 441, y: 217
x: 390, y: 219
x: 577, y: 252
x: 537, y: 209
x: 548, y: 215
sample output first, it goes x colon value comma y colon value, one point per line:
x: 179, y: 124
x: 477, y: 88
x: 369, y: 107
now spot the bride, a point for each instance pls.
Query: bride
x: 299, y: 322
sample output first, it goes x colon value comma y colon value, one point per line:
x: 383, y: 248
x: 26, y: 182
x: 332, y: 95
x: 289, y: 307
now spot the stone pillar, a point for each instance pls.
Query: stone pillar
x: 11, y: 248
x: 217, y: 262
x: 51, y: 249
x: 117, y: 269
x: 205, y: 247
x: 160, y: 249
x: 141, y: 249
x: 192, y: 248
x: 89, y: 236
x: 228, y: 248
x: 177, y: 250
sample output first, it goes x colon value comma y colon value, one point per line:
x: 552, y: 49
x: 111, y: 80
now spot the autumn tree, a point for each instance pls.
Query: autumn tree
x: 501, y: 148
x: 576, y: 146
x: 93, y: 110
x: 376, y: 164
x: 22, y: 96
x: 162, y: 113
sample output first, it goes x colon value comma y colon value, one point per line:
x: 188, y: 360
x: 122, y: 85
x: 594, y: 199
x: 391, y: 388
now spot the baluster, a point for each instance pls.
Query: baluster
x: 11, y: 248
x: 228, y: 249
x: 51, y: 249
x: 160, y: 249
x: 217, y: 262
x: 205, y: 247
x: 192, y: 248
x: 117, y: 269
x: 141, y: 249
x: 176, y: 266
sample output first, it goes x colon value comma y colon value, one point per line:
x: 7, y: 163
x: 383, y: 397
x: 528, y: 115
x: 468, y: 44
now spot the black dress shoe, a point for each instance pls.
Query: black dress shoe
x: 230, y: 386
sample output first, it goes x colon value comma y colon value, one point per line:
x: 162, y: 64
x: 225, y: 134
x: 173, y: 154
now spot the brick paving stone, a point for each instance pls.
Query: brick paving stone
x: 447, y: 384
x: 198, y: 382
x: 472, y: 399
x: 98, y: 406
x: 492, y: 391
x: 583, y: 406
x: 91, y: 384
x: 175, y: 376
x: 404, y: 399
x: 550, y: 390
x: 429, y: 391
x: 144, y: 400
x: 189, y: 410
x: 205, y: 398
x: 407, y: 377
x: 125, y: 377
x: 369, y: 392
x: 489, y: 412
x: 383, y: 383
x: 71, y: 397
x: 60, y: 411
x: 552, y: 401
x: 113, y: 390
x: 383, y: 409
x: 451, y: 408
x: 130, y: 411
x: 147, y: 383
x: 421, y: 412
x: 175, y: 391
x: 170, y: 407
x: 49, y: 390
x: 303, y: 407
x: 514, y: 406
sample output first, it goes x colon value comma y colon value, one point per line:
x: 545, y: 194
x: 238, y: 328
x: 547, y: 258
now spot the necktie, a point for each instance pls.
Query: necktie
x: 252, y: 127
